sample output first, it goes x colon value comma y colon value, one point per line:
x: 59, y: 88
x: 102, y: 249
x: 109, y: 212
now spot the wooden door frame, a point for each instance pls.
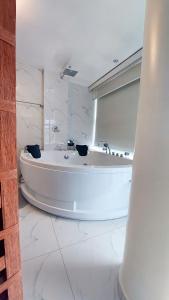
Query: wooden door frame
x: 10, y: 274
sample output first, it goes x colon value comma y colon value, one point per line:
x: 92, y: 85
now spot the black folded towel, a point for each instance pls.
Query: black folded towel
x: 34, y: 150
x: 82, y: 149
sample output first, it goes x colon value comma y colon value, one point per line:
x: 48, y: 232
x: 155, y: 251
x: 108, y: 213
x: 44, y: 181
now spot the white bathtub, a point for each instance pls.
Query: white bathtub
x: 95, y: 187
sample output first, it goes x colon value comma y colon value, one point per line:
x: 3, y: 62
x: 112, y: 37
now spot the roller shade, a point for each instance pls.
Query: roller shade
x: 116, y: 117
x: 128, y: 75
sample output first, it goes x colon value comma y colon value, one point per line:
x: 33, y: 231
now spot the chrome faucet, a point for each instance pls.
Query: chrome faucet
x: 25, y: 149
x: 107, y: 148
x: 70, y: 145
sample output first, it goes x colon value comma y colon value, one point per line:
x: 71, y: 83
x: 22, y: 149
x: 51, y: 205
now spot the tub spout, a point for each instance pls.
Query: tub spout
x: 107, y: 148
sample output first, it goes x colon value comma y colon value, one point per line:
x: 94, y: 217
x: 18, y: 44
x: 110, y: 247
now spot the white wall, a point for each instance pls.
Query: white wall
x: 29, y: 89
x: 69, y: 107
x: 145, y: 270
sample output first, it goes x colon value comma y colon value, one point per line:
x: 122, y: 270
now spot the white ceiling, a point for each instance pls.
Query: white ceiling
x: 86, y: 34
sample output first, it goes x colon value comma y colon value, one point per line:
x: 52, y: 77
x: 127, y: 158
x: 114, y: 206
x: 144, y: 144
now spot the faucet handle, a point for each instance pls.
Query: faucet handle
x: 70, y: 143
x: 25, y: 149
x: 106, y: 145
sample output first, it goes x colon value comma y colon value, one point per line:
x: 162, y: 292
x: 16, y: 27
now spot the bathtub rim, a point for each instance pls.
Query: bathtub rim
x: 72, y: 167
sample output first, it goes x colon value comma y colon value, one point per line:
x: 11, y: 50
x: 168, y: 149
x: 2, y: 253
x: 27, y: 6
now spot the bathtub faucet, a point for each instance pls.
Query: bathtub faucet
x: 70, y: 145
x: 25, y: 149
x: 107, y: 148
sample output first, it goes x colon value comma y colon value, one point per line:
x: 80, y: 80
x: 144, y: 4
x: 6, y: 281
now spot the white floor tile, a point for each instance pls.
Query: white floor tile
x: 69, y: 232
x: 92, y: 253
x: 44, y: 278
x: 37, y: 234
x: 118, y: 241
x: 93, y: 268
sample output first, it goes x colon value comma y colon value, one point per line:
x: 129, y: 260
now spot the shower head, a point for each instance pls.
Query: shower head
x: 68, y: 72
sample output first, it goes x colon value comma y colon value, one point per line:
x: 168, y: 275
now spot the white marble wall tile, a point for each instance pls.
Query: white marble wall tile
x: 29, y: 88
x: 37, y: 234
x: 29, y: 125
x: 93, y: 269
x: 69, y: 107
x: 29, y: 85
x: 56, y: 109
x: 81, y: 116
x: 45, y: 278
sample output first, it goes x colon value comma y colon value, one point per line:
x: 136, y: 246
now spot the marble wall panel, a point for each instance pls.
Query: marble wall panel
x: 29, y: 125
x: 69, y: 112
x: 29, y: 86
x: 81, y: 116
x: 56, y: 110
x: 29, y: 106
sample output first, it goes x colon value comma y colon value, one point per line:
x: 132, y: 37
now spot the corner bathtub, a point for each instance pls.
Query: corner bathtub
x: 94, y: 187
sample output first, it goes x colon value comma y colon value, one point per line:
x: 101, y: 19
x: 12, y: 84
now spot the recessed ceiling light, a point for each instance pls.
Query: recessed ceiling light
x: 115, y: 61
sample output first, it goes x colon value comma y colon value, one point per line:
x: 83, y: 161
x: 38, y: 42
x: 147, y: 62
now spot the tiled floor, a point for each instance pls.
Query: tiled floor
x: 70, y: 260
